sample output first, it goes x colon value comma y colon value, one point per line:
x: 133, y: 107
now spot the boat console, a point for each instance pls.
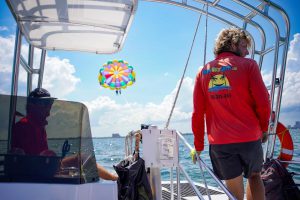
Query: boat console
x: 55, y: 149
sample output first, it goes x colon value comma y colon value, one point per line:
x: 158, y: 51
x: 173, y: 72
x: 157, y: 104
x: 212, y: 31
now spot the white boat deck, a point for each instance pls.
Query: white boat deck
x: 187, y: 192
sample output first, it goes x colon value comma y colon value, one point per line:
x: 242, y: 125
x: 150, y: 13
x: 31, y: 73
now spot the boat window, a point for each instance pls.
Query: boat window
x: 49, y: 141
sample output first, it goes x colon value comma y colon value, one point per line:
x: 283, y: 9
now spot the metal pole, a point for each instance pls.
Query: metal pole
x: 14, y: 84
x: 218, y: 181
x: 171, y: 183
x: 30, y: 64
x: 178, y: 183
x: 16, y: 62
x: 191, y: 182
x: 42, y: 66
x: 155, y: 182
x: 204, y: 179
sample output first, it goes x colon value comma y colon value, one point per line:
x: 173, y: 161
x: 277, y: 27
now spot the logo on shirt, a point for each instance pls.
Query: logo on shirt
x: 218, y: 82
x: 219, y: 69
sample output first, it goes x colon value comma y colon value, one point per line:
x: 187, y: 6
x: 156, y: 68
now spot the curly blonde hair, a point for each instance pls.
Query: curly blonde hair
x: 230, y: 36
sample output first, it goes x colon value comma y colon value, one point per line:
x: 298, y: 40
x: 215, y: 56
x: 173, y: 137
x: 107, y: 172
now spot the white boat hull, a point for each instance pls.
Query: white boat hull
x: 38, y: 191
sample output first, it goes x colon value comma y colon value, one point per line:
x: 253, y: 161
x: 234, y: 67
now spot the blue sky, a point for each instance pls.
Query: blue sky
x: 157, y: 47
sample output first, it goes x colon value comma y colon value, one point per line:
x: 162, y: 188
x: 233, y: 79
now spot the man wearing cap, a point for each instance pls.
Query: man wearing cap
x: 29, y: 134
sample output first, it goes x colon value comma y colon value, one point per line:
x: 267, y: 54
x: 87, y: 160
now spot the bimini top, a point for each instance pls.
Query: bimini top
x: 78, y: 25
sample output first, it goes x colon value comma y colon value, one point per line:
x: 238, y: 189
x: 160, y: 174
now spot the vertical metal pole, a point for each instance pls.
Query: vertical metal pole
x: 155, y: 182
x: 42, y: 66
x: 30, y: 64
x: 178, y: 169
x: 16, y: 62
x: 14, y: 85
x: 178, y: 182
x: 171, y: 183
x: 272, y: 127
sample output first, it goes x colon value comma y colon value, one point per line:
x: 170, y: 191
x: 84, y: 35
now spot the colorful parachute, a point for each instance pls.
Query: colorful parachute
x: 116, y: 75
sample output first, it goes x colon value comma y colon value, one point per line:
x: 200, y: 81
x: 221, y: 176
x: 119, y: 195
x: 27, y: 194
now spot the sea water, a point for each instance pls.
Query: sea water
x: 110, y: 151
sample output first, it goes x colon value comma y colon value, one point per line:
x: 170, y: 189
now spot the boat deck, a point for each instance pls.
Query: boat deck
x: 187, y: 192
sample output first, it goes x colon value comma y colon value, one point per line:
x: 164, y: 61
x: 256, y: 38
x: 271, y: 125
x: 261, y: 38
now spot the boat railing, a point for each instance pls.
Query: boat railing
x: 202, y: 165
x: 131, y: 149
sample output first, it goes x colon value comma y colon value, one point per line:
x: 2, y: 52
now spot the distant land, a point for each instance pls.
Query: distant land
x: 115, y: 135
x: 121, y: 136
x: 296, y: 125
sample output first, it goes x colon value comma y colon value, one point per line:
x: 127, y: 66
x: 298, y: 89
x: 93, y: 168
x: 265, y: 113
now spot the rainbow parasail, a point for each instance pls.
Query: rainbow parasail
x: 116, y: 75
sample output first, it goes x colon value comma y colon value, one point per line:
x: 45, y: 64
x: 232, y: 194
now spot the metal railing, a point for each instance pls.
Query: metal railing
x: 129, y: 139
x: 202, y: 165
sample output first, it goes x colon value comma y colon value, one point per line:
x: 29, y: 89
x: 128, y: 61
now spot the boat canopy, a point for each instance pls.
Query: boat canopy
x: 58, y: 150
x: 89, y: 26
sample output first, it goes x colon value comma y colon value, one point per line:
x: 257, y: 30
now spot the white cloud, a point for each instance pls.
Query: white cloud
x: 291, y: 92
x: 109, y: 116
x: 7, y: 47
x: 3, y: 28
x: 290, y: 103
x: 59, y: 76
x: 293, y: 58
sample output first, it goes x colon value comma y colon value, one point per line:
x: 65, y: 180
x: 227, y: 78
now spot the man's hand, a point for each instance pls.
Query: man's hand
x: 264, y: 137
x: 193, y: 155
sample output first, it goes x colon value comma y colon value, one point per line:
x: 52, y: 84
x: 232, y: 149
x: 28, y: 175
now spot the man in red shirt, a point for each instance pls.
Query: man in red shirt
x: 230, y: 96
x: 29, y: 134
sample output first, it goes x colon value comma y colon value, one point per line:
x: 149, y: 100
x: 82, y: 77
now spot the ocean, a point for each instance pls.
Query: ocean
x: 110, y: 151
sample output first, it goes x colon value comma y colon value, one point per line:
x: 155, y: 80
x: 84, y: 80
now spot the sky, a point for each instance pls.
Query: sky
x: 157, y: 46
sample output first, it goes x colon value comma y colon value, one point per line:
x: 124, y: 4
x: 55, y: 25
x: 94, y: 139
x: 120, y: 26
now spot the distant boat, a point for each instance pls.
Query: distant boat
x: 115, y: 135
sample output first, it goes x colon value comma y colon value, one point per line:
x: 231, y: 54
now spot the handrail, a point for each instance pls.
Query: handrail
x: 203, y: 164
x: 191, y: 183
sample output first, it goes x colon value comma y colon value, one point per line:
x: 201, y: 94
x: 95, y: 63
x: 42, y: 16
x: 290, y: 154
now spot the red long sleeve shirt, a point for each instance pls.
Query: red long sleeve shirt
x: 230, y: 96
x: 29, y: 136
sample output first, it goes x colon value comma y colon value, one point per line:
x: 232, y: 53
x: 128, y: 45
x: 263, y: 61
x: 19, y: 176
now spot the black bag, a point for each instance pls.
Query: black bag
x: 278, y: 182
x: 133, y: 183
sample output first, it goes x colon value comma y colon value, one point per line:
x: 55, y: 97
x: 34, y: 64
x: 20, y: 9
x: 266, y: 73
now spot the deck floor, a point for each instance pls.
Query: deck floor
x: 187, y: 192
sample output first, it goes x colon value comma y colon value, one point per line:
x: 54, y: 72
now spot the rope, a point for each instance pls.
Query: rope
x: 282, y: 134
x: 205, y: 41
x: 182, y: 77
x: 204, y: 62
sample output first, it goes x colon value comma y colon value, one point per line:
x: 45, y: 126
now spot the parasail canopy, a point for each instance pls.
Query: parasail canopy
x: 116, y: 75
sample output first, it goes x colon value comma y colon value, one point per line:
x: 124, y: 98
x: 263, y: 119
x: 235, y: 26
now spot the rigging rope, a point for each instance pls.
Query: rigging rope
x: 204, y: 62
x: 187, y: 62
x: 205, y: 42
x: 181, y: 80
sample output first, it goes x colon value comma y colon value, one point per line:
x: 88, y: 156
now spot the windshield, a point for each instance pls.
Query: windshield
x: 49, y: 141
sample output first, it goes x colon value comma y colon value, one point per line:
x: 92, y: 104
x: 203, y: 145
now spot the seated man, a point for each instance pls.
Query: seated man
x: 29, y: 134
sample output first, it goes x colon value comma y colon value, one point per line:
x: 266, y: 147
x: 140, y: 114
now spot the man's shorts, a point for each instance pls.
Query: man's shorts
x: 231, y: 160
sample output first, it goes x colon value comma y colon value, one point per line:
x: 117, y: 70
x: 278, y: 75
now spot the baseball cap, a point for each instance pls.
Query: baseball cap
x: 40, y: 96
x: 39, y: 93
